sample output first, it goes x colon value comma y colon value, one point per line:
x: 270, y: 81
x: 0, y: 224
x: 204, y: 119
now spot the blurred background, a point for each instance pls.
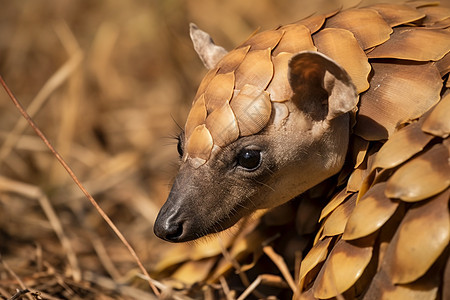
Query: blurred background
x: 108, y: 82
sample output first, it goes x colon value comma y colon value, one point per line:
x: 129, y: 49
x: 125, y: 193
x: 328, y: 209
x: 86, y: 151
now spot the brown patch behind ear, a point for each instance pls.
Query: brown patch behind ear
x: 322, y: 88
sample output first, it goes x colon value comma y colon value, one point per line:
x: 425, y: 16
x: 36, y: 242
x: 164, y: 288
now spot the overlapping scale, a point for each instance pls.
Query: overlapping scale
x: 397, y: 14
x: 315, y: 256
x: 443, y: 65
x: 252, y: 109
x: 444, y: 24
x: 419, y: 241
x: 219, y: 91
x: 231, y: 61
x: 422, y: 177
x: 223, y: 125
x: 341, y: 45
x: 344, y: 266
x: 401, y: 75
x: 313, y: 23
x: 205, y: 82
x: 256, y: 69
x: 197, y: 115
x: 422, y: 3
x: 446, y: 144
x: 367, y: 25
x: 414, y: 44
x: 264, y: 40
x: 360, y: 175
x: 393, y: 101
x: 434, y: 14
x: 356, y: 179
x: 296, y: 38
x: 359, y: 150
x: 401, y: 146
x: 199, y: 145
x: 371, y: 212
x: 279, y: 88
x: 438, y: 122
x: 334, y: 202
x: 337, y: 220
x: 280, y: 113
x: 382, y: 288
x: 387, y: 232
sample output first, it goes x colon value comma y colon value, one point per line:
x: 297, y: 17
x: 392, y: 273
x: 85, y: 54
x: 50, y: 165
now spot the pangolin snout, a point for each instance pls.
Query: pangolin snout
x: 170, y: 225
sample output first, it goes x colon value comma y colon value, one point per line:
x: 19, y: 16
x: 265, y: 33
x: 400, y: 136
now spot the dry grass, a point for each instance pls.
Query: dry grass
x: 107, y: 81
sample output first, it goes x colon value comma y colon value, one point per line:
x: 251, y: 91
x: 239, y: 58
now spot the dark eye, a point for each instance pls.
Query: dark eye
x: 249, y: 159
x: 180, y: 145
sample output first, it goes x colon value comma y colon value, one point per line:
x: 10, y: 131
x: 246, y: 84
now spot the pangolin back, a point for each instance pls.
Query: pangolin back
x: 386, y: 233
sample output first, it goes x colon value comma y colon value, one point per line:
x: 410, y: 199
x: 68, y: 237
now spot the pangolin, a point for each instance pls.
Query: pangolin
x: 362, y: 93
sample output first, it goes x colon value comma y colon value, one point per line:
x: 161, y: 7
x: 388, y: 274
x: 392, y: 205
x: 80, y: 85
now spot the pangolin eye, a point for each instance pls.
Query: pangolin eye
x: 180, y: 145
x: 249, y: 159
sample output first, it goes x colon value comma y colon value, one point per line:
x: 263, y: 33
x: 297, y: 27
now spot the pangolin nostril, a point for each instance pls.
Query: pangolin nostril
x: 174, y: 232
x: 168, y: 226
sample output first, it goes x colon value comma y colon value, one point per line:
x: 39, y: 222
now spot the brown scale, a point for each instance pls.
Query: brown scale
x: 368, y: 26
x: 408, y: 253
x: 395, y: 101
x: 342, y: 46
x: 252, y: 108
x: 296, y: 38
x: 412, y: 41
x: 386, y: 234
x: 395, y: 14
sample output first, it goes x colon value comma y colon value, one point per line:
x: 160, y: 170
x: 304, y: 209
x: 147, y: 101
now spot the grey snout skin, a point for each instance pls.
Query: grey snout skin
x: 177, y: 221
x: 171, y: 222
x: 173, y: 218
x: 190, y: 214
x: 168, y: 226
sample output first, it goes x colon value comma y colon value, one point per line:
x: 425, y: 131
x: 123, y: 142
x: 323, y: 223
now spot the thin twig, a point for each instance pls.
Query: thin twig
x: 165, y: 289
x: 242, y: 275
x: 233, y: 262
x: 298, y: 262
x: 13, y: 274
x: 226, y: 289
x: 78, y: 183
x: 250, y: 288
x: 55, y: 81
x: 112, y: 285
x: 19, y: 294
x: 58, y: 229
x: 103, y: 256
x: 263, y: 278
x: 280, y: 263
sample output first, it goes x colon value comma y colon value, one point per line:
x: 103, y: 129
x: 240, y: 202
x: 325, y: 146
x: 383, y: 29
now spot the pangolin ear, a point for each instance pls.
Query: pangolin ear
x: 209, y: 53
x: 321, y: 87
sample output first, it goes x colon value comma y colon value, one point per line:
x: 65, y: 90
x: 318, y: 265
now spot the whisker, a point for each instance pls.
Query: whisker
x: 263, y: 184
x: 176, y: 123
x: 269, y: 171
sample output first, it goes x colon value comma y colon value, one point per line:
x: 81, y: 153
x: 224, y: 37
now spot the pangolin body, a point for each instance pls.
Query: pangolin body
x: 385, y: 235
